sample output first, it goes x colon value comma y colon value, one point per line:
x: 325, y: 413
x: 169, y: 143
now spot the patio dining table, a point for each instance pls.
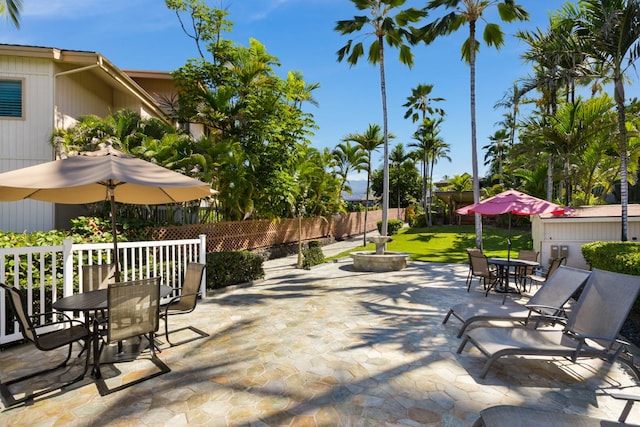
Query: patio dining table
x: 94, y: 301
x: 504, y: 266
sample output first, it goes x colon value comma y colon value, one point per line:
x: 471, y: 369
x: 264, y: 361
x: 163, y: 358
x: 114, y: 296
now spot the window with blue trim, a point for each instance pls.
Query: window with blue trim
x: 11, y: 98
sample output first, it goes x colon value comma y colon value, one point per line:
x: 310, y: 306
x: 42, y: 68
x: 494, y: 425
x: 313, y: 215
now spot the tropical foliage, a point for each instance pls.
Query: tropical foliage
x: 568, y: 133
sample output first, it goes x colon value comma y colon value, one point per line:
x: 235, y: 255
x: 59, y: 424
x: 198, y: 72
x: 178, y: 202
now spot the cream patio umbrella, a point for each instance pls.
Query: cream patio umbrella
x: 103, y: 175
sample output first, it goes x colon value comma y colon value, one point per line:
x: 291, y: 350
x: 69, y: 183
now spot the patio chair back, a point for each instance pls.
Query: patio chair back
x: 134, y: 308
x: 190, y: 288
x: 558, y: 288
x: 604, y: 305
x: 97, y: 276
x: 185, y: 302
x: 555, y: 263
x: 18, y: 302
x: 479, y: 263
x: 528, y: 255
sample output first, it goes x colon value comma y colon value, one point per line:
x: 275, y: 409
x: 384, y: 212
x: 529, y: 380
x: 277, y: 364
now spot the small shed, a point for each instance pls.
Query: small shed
x: 563, y: 235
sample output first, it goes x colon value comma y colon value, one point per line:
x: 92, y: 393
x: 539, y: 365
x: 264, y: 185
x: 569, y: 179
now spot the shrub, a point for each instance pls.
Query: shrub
x: 393, y: 226
x: 418, y: 221
x: 620, y: 257
x: 230, y: 268
x: 313, y: 255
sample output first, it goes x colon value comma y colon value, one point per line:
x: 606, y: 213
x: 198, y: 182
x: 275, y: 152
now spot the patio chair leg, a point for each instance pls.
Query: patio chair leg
x: 463, y: 328
x: 462, y: 344
x: 446, y: 318
x: 162, y: 369
x: 8, y: 397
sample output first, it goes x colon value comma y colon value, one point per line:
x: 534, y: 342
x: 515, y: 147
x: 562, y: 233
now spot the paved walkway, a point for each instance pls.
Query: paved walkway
x: 328, y: 347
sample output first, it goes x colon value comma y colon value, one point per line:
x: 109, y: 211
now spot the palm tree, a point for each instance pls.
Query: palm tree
x: 11, y: 9
x: 470, y: 11
x: 348, y: 158
x: 569, y: 131
x: 397, y: 157
x: 557, y: 64
x: 419, y: 103
x: 610, y: 30
x: 496, y: 151
x: 369, y: 141
x: 386, y: 29
x: 422, y: 136
x: 432, y: 148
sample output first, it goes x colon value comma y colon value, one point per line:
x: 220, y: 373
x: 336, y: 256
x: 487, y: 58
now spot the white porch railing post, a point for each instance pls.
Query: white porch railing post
x: 202, y: 259
x: 67, y: 266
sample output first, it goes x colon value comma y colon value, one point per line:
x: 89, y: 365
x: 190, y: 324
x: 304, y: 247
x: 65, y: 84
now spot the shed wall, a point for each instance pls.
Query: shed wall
x: 571, y: 233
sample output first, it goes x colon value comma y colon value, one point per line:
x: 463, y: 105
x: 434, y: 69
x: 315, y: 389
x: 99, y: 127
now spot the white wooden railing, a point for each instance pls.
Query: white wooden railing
x: 48, y: 273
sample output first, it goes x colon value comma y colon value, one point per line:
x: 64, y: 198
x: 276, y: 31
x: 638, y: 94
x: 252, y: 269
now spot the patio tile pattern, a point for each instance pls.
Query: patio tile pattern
x: 328, y: 347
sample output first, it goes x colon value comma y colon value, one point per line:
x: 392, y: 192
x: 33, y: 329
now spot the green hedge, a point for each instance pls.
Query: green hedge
x: 230, y: 268
x: 393, y: 226
x: 620, y: 257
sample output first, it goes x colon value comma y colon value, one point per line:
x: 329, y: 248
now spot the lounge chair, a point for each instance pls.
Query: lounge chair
x: 185, y: 302
x: 548, y: 301
x: 479, y: 267
x: 591, y: 329
x: 46, y: 336
x: 508, y: 415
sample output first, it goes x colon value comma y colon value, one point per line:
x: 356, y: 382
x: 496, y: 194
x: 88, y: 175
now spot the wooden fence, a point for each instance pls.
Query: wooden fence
x: 249, y: 235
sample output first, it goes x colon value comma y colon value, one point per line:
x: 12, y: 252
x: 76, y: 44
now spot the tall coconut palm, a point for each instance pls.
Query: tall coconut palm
x: 369, y: 141
x: 11, y: 10
x: 389, y: 30
x: 470, y: 12
x: 610, y: 30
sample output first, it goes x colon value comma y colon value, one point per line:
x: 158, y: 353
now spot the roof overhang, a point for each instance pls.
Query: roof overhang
x: 92, y: 62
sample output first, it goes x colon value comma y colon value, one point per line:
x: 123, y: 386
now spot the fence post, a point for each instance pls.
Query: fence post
x: 202, y: 258
x: 67, y: 266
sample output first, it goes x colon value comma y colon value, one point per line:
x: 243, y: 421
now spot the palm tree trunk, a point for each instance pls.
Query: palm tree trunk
x: 550, y: 178
x: 425, y: 199
x: 433, y: 162
x: 425, y: 174
x: 385, y: 172
x: 624, y: 155
x: 474, y: 149
x: 366, y: 203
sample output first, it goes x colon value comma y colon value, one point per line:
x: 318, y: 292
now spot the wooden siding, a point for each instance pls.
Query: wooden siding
x: 80, y: 94
x: 25, y: 141
x: 570, y: 234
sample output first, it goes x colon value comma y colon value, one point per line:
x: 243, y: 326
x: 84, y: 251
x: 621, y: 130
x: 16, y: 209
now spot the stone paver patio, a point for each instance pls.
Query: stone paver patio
x: 329, y: 347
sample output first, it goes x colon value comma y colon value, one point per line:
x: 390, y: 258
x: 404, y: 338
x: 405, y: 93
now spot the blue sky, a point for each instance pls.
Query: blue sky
x: 145, y: 35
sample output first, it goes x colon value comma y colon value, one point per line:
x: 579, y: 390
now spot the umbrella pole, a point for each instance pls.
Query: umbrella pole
x: 509, y: 240
x: 116, y: 259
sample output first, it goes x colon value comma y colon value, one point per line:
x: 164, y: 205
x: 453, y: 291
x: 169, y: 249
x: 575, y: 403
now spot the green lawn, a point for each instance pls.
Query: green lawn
x: 448, y: 243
